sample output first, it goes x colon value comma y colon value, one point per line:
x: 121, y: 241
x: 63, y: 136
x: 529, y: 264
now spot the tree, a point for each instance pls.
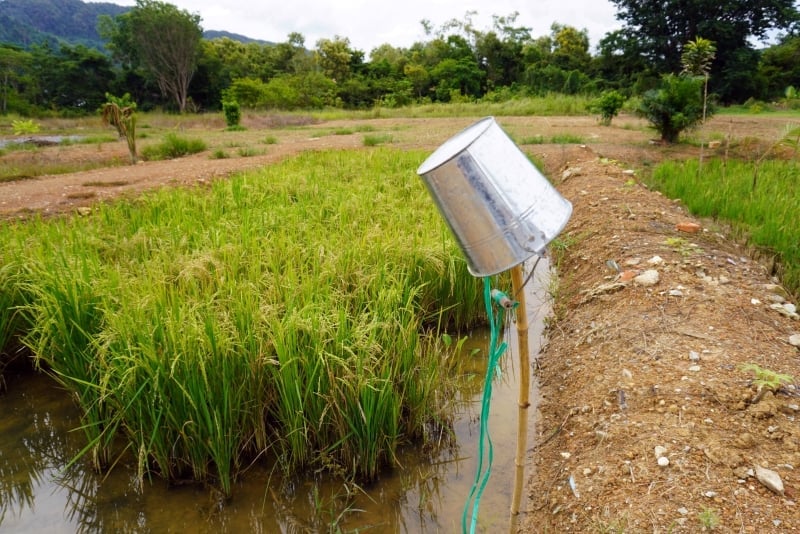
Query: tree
x: 657, y: 30
x: 120, y: 112
x: 696, y: 60
x: 499, y: 51
x: 674, y: 106
x: 780, y: 67
x: 14, y: 64
x: 162, y: 39
x: 334, y: 57
x: 73, y: 78
x: 570, y: 47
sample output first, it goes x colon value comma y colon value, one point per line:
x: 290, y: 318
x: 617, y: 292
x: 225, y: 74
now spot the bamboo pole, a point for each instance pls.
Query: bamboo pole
x: 524, y: 387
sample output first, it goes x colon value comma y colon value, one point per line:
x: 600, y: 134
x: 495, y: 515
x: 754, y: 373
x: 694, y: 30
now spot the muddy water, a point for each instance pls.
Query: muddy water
x: 41, y: 492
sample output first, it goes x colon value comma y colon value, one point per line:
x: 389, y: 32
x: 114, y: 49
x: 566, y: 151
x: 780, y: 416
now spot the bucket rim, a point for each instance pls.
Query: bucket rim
x: 456, y: 144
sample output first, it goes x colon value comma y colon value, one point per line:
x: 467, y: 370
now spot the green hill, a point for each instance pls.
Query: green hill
x: 28, y: 22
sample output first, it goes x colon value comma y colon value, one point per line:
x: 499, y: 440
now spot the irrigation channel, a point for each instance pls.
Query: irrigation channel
x: 41, y: 492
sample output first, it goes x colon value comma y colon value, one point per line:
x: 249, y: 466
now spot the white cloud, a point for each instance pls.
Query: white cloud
x: 370, y: 24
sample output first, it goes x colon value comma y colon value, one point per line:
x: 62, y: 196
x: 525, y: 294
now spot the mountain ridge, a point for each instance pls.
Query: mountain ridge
x: 25, y: 23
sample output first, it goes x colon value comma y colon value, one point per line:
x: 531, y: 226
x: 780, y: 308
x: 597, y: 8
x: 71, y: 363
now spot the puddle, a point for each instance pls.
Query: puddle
x: 40, y: 492
x: 40, y: 140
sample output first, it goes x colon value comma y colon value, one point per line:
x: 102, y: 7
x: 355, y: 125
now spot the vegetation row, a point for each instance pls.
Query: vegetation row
x: 758, y: 199
x: 457, y: 61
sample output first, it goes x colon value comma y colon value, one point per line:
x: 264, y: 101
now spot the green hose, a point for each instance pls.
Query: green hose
x: 495, y: 351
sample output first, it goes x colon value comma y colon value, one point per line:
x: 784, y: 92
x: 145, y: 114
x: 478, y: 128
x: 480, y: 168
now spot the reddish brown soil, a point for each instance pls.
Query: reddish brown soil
x: 627, y: 367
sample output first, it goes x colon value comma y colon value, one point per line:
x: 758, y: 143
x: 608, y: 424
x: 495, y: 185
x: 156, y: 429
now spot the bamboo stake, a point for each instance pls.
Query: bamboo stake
x: 524, y: 386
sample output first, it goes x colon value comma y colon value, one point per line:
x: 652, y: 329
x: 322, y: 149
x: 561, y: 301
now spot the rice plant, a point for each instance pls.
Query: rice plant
x: 291, y: 313
x: 767, y: 215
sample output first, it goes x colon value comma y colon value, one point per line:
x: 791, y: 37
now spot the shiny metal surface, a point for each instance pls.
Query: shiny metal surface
x: 498, y: 205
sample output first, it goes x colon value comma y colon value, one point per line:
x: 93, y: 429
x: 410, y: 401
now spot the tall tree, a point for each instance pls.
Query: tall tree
x: 161, y: 38
x: 657, y: 29
x: 334, y: 57
x: 14, y: 65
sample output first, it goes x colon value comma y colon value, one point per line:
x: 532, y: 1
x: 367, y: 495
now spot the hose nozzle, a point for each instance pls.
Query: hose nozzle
x: 502, y: 299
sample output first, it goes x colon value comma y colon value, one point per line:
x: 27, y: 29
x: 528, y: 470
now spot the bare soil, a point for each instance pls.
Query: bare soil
x: 632, y: 369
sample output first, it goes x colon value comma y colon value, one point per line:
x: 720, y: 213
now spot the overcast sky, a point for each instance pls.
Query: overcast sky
x: 369, y: 24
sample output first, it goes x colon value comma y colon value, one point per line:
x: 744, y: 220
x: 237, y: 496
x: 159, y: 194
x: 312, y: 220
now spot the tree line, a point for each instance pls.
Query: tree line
x: 157, y: 55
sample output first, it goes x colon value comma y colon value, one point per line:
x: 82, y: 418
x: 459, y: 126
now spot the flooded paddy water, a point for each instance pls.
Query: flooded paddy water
x: 40, y: 491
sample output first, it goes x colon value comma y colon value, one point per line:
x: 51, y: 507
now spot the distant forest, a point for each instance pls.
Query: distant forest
x: 66, y: 56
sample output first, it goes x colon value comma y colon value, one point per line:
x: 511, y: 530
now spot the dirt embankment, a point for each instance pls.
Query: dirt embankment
x: 649, y: 419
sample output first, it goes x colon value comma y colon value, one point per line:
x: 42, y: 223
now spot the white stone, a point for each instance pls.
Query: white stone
x: 660, y: 451
x: 794, y: 339
x: 770, y: 479
x: 647, y: 278
x: 655, y: 260
x: 663, y: 461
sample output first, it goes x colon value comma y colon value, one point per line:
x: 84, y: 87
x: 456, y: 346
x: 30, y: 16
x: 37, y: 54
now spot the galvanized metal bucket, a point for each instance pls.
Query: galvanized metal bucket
x: 498, y: 205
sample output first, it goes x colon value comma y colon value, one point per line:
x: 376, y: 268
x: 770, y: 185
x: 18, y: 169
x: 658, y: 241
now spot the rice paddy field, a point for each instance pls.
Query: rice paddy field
x: 758, y: 200
x: 302, y: 316
x: 295, y: 315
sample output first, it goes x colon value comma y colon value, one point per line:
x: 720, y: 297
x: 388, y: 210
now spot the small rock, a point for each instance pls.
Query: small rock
x: 694, y: 368
x: 663, y: 461
x: 660, y: 451
x: 647, y: 278
x: 688, y: 227
x: 789, y: 307
x: 770, y: 479
x: 710, y: 494
x: 682, y: 510
x: 693, y: 356
x: 675, y: 293
x: 783, y: 310
x: 566, y: 455
x: 655, y: 260
x: 755, y: 302
x: 776, y: 289
x: 794, y: 340
x: 627, y: 374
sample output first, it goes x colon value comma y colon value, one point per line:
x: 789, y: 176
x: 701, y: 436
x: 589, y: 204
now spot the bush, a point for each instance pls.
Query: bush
x: 676, y: 105
x: 607, y: 105
x: 24, y: 127
x: 172, y: 147
x: 233, y: 113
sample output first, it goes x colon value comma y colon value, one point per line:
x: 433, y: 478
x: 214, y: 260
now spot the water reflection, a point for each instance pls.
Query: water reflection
x: 40, y: 491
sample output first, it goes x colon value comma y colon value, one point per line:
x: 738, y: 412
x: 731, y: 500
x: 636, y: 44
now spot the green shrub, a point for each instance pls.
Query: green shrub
x: 676, y: 105
x: 608, y: 105
x: 24, y: 127
x: 377, y: 139
x: 232, y: 112
x: 172, y: 147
